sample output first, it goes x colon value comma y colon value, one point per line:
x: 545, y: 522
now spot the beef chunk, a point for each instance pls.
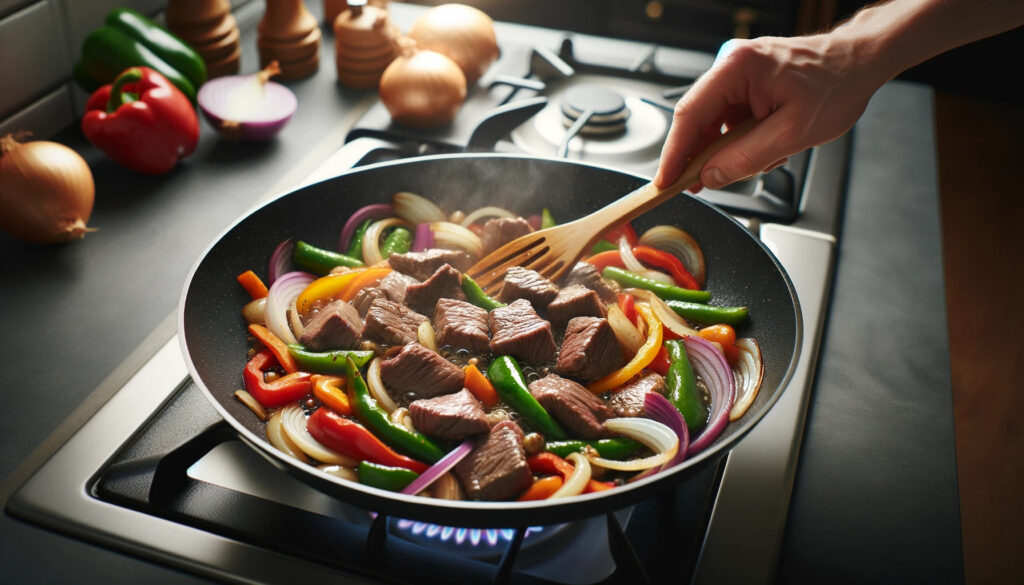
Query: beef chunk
x: 523, y: 283
x: 445, y: 282
x: 574, y: 301
x: 587, y: 275
x: 496, y: 468
x: 336, y: 326
x: 461, y: 325
x: 422, y: 372
x: 395, y: 285
x: 365, y: 297
x: 589, y: 350
x: 450, y: 417
x: 420, y: 265
x: 629, y: 399
x: 517, y: 330
x: 499, y: 231
x: 577, y: 409
x: 391, y: 323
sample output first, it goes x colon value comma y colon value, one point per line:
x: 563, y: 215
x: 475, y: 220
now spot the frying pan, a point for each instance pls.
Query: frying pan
x: 740, y: 271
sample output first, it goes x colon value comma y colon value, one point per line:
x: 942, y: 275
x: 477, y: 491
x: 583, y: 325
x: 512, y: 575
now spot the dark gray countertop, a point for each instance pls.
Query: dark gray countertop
x: 876, y: 495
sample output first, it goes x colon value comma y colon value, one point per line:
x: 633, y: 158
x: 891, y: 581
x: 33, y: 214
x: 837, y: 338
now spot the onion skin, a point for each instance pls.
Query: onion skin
x: 463, y: 33
x: 424, y: 90
x: 46, y: 191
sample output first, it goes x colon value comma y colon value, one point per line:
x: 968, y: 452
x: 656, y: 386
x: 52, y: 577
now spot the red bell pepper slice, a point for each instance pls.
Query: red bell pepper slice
x: 616, y: 233
x: 350, y: 438
x: 627, y: 303
x: 660, y: 362
x: 548, y: 463
x: 602, y: 260
x: 281, y: 391
x: 142, y: 121
x: 668, y: 262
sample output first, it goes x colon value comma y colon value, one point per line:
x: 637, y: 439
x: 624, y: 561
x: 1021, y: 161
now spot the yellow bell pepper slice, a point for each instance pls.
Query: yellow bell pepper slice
x: 644, y: 356
x: 335, y: 285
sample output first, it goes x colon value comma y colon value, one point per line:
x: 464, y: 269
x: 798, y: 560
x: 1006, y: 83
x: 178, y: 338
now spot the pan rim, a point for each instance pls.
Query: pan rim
x: 557, y: 510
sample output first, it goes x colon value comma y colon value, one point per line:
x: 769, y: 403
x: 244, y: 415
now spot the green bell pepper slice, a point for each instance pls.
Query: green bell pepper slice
x: 616, y: 448
x: 682, y: 386
x: 508, y: 380
x: 477, y: 296
x: 320, y: 261
x: 393, y: 479
x: 664, y: 291
x: 327, y: 362
x: 708, y: 314
x: 399, y: 241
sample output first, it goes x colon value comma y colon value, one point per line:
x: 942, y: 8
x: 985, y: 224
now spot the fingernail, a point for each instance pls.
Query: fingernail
x: 713, y: 178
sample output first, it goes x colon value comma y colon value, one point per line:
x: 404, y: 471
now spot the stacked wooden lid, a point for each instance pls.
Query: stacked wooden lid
x: 365, y: 43
x: 289, y: 34
x: 208, y: 27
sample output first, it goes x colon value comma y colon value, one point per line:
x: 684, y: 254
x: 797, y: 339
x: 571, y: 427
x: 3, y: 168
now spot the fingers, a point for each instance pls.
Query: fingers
x: 764, y: 148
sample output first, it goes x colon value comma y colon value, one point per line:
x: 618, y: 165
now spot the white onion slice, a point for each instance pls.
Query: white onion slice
x: 749, y: 373
x: 281, y: 441
x: 254, y: 405
x: 669, y: 318
x: 628, y: 335
x: 709, y: 363
x: 281, y: 296
x: 489, y: 211
x: 415, y: 208
x: 425, y: 335
x: 629, y: 261
x: 341, y: 471
x: 255, y: 311
x: 371, y: 239
x: 676, y: 241
x: 577, y: 480
x: 653, y: 434
x: 447, y: 488
x: 400, y: 416
x: 453, y: 235
x: 376, y: 386
x: 295, y: 320
x: 293, y: 423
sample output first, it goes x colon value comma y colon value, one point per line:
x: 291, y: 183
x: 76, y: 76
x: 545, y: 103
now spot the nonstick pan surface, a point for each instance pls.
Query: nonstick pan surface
x: 740, y: 271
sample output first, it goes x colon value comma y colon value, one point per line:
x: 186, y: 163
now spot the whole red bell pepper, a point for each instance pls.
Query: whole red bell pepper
x: 142, y: 121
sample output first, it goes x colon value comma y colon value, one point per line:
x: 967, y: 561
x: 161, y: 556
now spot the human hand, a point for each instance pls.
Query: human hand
x: 803, y: 90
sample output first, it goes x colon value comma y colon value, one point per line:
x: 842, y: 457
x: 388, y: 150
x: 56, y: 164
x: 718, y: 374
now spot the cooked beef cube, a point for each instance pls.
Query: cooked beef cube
x: 629, y: 399
x: 422, y: 372
x: 391, y: 323
x: 499, y: 231
x: 496, y: 468
x: 587, y: 275
x: 451, y: 417
x: 420, y: 265
x: 523, y: 283
x: 365, y: 297
x: 444, y: 283
x: 461, y: 325
x: 589, y: 349
x: 574, y: 301
x: 577, y: 409
x: 336, y: 326
x: 395, y: 285
x: 517, y: 330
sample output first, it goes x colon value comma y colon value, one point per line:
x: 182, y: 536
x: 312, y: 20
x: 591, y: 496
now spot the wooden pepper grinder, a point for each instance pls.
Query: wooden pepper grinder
x: 332, y: 8
x: 208, y: 27
x: 290, y: 35
x: 365, y: 43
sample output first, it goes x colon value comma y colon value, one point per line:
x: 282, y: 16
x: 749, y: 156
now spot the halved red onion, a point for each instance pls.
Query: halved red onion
x: 246, y: 108
x: 279, y: 299
x: 280, y: 260
x: 440, y: 468
x: 749, y: 373
x: 658, y: 408
x: 423, y: 239
x: 710, y: 365
x: 375, y: 211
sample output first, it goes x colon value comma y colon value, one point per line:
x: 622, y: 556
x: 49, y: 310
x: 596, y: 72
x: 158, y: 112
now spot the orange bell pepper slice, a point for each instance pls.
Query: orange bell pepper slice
x: 362, y: 280
x: 252, y: 285
x: 331, y: 391
x: 542, y: 488
x: 276, y: 346
x: 480, y: 386
x: 644, y: 356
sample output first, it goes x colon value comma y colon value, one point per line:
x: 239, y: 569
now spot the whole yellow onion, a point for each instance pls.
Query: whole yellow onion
x: 463, y: 33
x: 423, y: 89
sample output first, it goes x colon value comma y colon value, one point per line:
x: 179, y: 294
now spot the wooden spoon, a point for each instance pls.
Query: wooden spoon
x: 555, y: 250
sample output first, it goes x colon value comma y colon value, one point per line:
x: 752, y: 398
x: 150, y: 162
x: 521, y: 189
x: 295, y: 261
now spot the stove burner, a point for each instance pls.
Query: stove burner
x: 602, y: 111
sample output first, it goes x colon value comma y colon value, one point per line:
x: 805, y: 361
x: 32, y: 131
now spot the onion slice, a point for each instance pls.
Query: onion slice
x: 453, y: 235
x: 293, y: 423
x: 577, y: 480
x: 487, y: 211
x: 375, y: 211
x: 669, y: 318
x: 280, y: 440
x: 676, y: 241
x: 654, y: 435
x: 371, y: 239
x: 709, y: 363
x: 376, y: 386
x: 415, y: 208
x: 280, y: 298
x: 443, y: 466
x: 425, y: 335
x: 424, y: 238
x: 280, y: 260
x: 749, y: 373
x: 658, y: 408
x: 628, y: 335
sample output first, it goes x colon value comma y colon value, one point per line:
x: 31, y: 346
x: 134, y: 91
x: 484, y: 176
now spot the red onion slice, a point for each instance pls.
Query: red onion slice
x: 375, y: 211
x: 279, y: 300
x: 424, y: 238
x: 280, y: 260
x: 710, y: 364
x: 658, y: 408
x: 440, y: 468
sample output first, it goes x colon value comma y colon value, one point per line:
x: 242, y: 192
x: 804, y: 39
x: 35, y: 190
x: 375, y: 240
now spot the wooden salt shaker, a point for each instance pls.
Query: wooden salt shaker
x: 289, y: 34
x: 365, y: 43
x: 208, y: 27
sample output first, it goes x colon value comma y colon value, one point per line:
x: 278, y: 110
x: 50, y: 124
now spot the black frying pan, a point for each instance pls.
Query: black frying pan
x: 740, y: 271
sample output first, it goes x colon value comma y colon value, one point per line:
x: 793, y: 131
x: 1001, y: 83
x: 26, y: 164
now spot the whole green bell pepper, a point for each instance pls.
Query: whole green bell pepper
x: 130, y: 39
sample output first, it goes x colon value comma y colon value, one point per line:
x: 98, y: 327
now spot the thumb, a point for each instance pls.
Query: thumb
x: 748, y: 155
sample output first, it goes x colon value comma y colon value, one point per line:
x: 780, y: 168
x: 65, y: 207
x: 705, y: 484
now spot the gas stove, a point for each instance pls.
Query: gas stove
x: 158, y: 474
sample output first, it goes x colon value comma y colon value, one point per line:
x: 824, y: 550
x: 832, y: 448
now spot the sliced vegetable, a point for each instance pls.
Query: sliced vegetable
x: 375, y: 211
x: 327, y: 362
x: 682, y: 386
x: 725, y: 336
x: 550, y: 464
x: 279, y: 299
x: 425, y: 335
x: 275, y: 345
x: 372, y: 250
x: 710, y: 365
x: 363, y: 279
x: 330, y: 390
x: 708, y: 314
x: 542, y: 488
x: 355, y: 247
x: 657, y: 437
x: 480, y: 386
x: 280, y: 260
x: 477, y: 296
x: 279, y: 439
x: 510, y: 384
x: 384, y: 477
x: 680, y: 244
x: 675, y: 325
x: 625, y: 331
x: 487, y: 211
x: 627, y: 302
x: 439, y: 469
x: 630, y: 263
x: 295, y: 425
x: 577, y: 480
x: 452, y: 235
x: 667, y: 262
x: 644, y: 355
x: 343, y: 285
x: 749, y: 373
x: 660, y: 409
x: 546, y: 219
x: 356, y: 441
x: 247, y: 108
x: 320, y: 261
x: 665, y: 291
x: 252, y: 284
x: 424, y: 239
x: 605, y: 259
x: 281, y: 391
x: 399, y: 241
x: 616, y: 448
x: 376, y: 386
x: 415, y: 208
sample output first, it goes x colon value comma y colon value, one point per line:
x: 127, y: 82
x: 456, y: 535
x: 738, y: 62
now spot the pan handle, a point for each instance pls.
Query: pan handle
x: 353, y: 154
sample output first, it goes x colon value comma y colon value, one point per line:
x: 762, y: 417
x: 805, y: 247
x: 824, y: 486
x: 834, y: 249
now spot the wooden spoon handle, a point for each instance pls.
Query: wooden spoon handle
x: 633, y: 204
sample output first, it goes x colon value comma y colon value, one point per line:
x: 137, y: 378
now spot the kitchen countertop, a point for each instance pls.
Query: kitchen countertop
x: 875, y: 498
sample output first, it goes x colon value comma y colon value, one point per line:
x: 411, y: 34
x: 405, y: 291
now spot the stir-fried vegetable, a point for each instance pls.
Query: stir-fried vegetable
x: 508, y: 380
x: 643, y: 356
